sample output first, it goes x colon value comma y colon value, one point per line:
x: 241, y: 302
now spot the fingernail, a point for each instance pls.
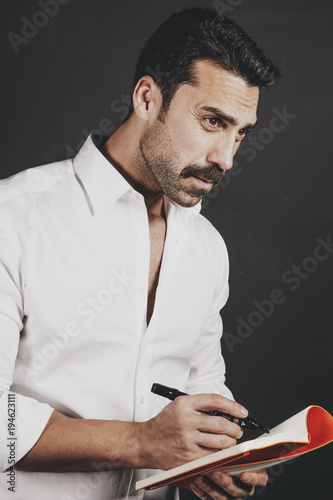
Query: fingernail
x: 199, y: 482
x: 246, y: 478
x: 244, y: 411
x: 215, y: 477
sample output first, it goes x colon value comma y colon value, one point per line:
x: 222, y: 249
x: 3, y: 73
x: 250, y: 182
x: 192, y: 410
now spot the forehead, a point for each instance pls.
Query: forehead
x: 216, y: 87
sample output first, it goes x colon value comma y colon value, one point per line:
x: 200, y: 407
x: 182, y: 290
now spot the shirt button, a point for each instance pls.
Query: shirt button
x: 139, y: 235
x: 142, y: 289
x: 142, y: 400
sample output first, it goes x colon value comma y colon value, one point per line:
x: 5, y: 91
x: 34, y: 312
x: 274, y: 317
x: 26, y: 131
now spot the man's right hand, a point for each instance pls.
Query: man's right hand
x: 181, y: 432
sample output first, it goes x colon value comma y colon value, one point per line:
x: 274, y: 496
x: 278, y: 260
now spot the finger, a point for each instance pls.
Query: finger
x: 255, y: 478
x: 215, y: 441
x: 207, y: 493
x: 231, y: 485
x: 200, y: 493
x: 219, y: 425
x: 211, y: 402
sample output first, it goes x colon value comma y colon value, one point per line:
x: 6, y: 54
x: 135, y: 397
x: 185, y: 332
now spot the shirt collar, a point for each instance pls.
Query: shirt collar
x: 103, y: 184
x: 186, y: 211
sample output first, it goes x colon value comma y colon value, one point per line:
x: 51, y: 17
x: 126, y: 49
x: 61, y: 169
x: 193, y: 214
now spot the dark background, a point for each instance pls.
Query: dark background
x: 75, y: 74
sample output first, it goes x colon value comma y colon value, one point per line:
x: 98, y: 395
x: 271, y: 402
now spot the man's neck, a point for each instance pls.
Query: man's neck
x: 155, y: 206
x: 123, y: 152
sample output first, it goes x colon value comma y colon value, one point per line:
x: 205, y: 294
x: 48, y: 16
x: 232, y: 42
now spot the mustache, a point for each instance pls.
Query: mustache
x: 211, y: 173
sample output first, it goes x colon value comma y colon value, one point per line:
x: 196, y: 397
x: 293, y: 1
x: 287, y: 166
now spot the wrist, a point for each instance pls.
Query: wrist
x: 142, y: 458
x: 125, y: 448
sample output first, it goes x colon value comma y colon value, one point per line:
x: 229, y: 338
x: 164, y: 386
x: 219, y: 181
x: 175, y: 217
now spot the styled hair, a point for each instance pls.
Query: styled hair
x: 195, y: 34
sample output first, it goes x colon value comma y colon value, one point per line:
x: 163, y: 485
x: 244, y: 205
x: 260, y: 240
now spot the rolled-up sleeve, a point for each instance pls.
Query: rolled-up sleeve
x: 22, y: 419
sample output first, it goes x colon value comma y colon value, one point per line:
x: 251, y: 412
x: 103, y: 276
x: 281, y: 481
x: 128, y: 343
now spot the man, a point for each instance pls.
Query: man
x: 111, y: 280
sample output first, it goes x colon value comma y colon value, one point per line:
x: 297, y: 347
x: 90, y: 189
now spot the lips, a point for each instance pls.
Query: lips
x: 203, y: 182
x: 204, y: 179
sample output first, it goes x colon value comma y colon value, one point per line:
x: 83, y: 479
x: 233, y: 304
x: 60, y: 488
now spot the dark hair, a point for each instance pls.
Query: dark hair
x: 201, y: 34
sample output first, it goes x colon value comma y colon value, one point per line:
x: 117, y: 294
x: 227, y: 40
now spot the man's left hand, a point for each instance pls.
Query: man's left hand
x: 221, y: 486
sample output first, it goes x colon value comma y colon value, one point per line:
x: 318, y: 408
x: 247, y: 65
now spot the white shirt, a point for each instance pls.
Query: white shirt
x: 74, y: 263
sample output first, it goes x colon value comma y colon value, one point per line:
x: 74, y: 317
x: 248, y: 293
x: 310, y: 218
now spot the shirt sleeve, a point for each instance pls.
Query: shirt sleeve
x: 207, y: 373
x: 22, y: 419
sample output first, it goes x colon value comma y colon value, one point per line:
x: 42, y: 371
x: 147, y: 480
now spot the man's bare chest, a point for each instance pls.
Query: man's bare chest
x: 157, y: 232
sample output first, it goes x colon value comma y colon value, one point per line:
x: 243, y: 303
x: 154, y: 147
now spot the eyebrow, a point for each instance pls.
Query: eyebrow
x: 230, y: 119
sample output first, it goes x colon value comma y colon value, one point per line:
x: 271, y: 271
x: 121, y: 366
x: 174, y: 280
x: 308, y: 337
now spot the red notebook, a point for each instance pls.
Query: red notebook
x: 304, y: 432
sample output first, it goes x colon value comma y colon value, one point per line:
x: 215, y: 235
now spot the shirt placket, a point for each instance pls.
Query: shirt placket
x: 142, y: 257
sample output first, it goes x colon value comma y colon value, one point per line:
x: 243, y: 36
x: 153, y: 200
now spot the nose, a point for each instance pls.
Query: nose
x: 222, y: 152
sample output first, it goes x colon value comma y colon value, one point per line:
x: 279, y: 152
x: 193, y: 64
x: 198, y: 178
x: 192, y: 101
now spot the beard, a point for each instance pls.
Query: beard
x: 162, y: 166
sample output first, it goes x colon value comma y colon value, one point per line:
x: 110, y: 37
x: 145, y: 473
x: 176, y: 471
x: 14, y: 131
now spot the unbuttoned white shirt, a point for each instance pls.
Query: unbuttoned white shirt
x: 74, y: 265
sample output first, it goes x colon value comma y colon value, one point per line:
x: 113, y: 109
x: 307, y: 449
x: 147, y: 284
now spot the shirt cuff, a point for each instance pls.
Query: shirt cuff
x: 22, y: 421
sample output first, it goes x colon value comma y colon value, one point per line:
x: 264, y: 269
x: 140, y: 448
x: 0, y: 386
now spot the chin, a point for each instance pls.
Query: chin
x: 187, y: 201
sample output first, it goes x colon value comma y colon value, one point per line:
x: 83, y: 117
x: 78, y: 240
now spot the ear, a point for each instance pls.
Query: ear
x: 147, y: 99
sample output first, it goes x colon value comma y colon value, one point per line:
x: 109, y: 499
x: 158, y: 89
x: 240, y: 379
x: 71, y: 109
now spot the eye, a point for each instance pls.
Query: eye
x: 243, y: 132
x: 213, y: 121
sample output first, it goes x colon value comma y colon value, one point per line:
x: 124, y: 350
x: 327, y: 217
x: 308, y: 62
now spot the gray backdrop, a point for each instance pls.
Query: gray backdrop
x: 72, y: 73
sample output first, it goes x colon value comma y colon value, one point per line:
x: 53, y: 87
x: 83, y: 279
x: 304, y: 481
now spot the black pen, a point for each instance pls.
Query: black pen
x: 247, y: 423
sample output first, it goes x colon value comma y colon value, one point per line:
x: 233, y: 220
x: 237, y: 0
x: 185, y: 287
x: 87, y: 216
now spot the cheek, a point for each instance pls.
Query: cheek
x: 191, y: 141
